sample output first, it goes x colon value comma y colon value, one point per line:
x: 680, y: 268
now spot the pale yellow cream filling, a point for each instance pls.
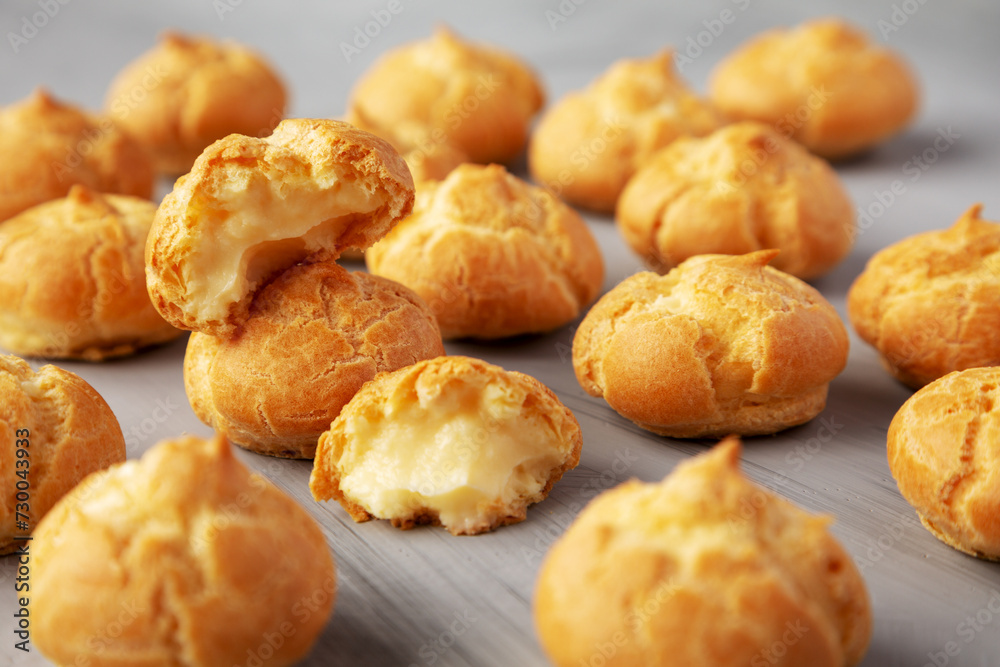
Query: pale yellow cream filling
x: 466, y: 454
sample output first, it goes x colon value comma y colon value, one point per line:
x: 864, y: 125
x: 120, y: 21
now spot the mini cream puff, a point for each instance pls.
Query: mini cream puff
x: 722, y: 344
x: 313, y: 337
x: 242, y: 252
x: 48, y: 146
x: 475, y: 98
x: 193, y: 559
x: 944, y: 452
x: 589, y: 144
x: 492, y: 255
x: 187, y: 92
x: 451, y: 441
x: 215, y: 239
x: 742, y: 188
x: 64, y: 429
x: 823, y: 84
x: 703, y: 568
x: 929, y: 302
x: 73, y: 281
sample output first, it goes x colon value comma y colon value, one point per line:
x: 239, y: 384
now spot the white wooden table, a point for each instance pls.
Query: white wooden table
x: 424, y: 597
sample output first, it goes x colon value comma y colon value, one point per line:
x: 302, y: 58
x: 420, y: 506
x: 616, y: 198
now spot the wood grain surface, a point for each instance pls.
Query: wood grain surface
x: 424, y: 597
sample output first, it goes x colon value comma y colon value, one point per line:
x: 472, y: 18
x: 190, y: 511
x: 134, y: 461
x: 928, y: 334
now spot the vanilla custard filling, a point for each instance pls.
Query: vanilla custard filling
x: 466, y: 454
x: 258, y: 226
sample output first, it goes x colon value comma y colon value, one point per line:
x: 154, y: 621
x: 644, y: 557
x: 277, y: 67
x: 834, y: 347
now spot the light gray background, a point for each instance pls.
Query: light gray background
x: 401, y: 591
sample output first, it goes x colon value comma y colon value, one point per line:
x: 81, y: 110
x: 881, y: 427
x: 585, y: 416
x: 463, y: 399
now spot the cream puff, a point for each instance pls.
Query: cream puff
x: 722, y: 344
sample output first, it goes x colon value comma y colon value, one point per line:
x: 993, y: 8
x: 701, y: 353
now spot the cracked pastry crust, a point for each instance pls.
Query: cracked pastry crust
x: 823, y: 84
x: 312, y: 338
x: 47, y: 147
x: 944, y: 452
x: 428, y: 160
x: 71, y: 433
x: 72, y: 279
x: 452, y: 441
x: 589, y: 144
x: 703, y: 568
x: 721, y: 344
x: 928, y: 303
x: 251, y: 208
x: 492, y: 255
x: 743, y: 188
x: 474, y: 98
x: 195, y: 559
x: 187, y: 92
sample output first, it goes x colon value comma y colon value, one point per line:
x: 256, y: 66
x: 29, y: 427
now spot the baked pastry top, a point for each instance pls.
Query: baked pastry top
x: 823, y: 83
x: 476, y: 98
x: 453, y: 441
x: 48, y: 146
x: 589, y: 143
x: 187, y: 92
x: 312, y: 338
x: 745, y: 187
x: 67, y: 431
x: 206, y: 558
x: 928, y: 303
x: 251, y: 208
x: 72, y: 278
x: 427, y: 159
x: 703, y: 568
x: 944, y: 452
x: 721, y: 344
x: 492, y: 255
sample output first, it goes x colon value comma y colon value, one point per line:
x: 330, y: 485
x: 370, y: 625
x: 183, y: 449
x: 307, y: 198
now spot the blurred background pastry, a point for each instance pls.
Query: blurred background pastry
x: 73, y: 280
x: 823, y: 83
x: 47, y: 146
x: 475, y: 97
x: 590, y: 142
x: 188, y: 91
